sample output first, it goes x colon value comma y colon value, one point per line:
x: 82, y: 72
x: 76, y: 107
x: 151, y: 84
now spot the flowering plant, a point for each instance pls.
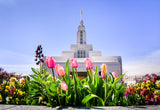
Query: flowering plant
x: 12, y: 90
x: 146, y: 92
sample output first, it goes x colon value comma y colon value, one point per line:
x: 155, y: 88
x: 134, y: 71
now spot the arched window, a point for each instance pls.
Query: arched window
x: 81, y: 37
x: 81, y: 54
x: 78, y: 54
x: 84, y: 54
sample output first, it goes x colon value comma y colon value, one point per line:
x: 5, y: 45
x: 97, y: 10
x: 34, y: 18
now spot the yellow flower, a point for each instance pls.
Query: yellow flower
x: 17, y: 100
x: 47, y: 73
x: 6, y: 90
x: 0, y: 97
x: 152, y: 88
x: 15, y: 75
x: 138, y: 88
x: 40, y: 99
x: 138, y: 84
x: 142, y: 87
x: 20, y: 84
x: 147, y: 81
x: 157, y: 92
x: 70, y: 75
x: 10, y: 97
x: 22, y: 80
x: 147, y: 85
x: 11, y: 84
x: 7, y: 87
x: 4, y: 82
x: 148, y: 88
x: 23, y: 92
x: 20, y: 92
x: 158, y: 83
x: 13, y: 79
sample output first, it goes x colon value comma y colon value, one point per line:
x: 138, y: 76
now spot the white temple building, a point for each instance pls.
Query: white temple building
x: 82, y: 50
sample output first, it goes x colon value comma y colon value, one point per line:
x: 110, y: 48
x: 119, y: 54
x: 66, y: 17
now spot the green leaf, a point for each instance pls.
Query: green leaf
x: 89, y: 75
x: 117, y: 79
x: 90, y: 96
x: 32, y: 76
x: 35, y: 71
x: 53, y: 88
x: 67, y: 68
x: 112, y: 78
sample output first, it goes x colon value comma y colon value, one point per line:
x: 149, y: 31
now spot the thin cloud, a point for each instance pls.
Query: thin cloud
x: 148, y: 64
x: 10, y: 57
x: 19, y: 69
x: 6, y: 2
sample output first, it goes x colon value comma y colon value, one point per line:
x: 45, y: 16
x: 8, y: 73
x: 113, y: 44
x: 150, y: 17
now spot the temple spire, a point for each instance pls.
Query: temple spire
x: 81, y: 34
x: 81, y: 15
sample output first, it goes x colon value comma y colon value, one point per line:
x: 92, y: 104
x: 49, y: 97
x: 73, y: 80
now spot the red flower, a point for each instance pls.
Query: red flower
x: 148, y: 98
x: 130, y: 90
x: 144, y: 91
x: 11, y: 91
x: 154, y: 79
x: 148, y: 77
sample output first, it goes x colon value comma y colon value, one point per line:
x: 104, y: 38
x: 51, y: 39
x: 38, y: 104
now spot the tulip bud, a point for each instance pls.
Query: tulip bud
x: 102, y: 75
x: 60, y: 70
x: 114, y: 75
x: 144, y: 80
x: 40, y: 99
x: 64, y: 86
x: 104, y: 68
x: 88, y: 63
x: 74, y: 63
x: 50, y: 62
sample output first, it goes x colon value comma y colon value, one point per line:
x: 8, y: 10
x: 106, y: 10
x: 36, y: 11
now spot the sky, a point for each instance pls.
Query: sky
x: 126, y: 28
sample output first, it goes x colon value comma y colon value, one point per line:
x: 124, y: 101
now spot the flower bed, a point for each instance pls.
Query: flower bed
x: 42, y: 88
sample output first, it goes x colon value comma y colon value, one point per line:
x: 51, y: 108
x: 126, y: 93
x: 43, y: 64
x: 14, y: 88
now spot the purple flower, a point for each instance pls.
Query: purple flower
x: 154, y: 75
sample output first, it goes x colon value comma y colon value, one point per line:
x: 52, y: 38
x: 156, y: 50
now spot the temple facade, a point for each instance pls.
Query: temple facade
x: 82, y: 50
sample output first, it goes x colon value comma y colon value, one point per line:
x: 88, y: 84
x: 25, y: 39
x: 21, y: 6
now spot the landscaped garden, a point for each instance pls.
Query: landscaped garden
x: 43, y: 88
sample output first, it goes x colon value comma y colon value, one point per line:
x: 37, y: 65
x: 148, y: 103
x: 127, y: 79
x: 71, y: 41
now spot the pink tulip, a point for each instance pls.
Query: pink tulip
x: 50, y: 62
x: 114, y: 75
x: 74, y: 63
x: 88, y: 63
x: 64, y: 86
x: 60, y: 70
x: 144, y: 80
x: 102, y: 75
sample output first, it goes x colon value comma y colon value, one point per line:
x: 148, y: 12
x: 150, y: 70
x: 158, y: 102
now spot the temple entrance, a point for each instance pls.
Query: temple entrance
x: 81, y: 75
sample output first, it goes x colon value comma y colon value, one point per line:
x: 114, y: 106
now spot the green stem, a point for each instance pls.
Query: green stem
x: 105, y: 88
x: 91, y: 74
x: 76, y: 72
x: 64, y: 79
x: 40, y: 66
x: 53, y: 75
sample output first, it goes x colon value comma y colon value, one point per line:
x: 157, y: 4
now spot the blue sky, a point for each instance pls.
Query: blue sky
x: 127, y: 28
